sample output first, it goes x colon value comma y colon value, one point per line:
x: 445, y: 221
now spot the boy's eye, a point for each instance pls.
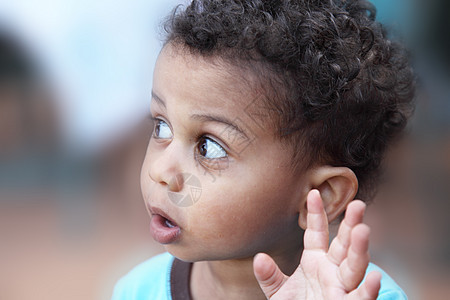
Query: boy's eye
x: 162, y: 130
x: 210, y: 149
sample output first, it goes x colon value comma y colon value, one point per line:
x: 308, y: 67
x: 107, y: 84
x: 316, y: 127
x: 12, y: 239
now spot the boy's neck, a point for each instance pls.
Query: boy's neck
x: 234, y: 279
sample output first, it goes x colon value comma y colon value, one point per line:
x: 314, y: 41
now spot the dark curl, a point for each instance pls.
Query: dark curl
x: 343, y: 90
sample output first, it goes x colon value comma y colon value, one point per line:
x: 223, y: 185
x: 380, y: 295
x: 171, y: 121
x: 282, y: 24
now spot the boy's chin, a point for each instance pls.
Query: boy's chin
x: 189, y: 255
x: 194, y: 255
x: 184, y: 254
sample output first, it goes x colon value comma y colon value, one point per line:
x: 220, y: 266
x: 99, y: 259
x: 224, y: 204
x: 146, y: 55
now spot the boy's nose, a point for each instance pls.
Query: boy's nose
x: 164, y: 168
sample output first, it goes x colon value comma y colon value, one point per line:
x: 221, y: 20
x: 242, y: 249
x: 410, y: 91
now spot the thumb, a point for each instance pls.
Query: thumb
x: 268, y: 274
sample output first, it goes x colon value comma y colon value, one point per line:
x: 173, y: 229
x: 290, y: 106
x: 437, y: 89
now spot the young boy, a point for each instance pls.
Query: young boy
x: 269, y: 118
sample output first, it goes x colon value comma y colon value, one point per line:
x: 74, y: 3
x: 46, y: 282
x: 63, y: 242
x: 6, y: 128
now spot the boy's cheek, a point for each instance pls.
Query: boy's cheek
x: 229, y: 219
x: 144, y: 180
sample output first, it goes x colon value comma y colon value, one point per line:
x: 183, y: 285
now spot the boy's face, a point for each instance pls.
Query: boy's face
x: 246, y: 196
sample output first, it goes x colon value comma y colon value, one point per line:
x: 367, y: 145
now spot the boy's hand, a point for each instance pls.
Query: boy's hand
x: 324, y: 273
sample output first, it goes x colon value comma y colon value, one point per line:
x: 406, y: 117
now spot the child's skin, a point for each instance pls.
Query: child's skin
x: 256, y: 202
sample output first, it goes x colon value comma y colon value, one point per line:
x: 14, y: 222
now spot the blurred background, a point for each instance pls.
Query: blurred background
x: 75, y: 80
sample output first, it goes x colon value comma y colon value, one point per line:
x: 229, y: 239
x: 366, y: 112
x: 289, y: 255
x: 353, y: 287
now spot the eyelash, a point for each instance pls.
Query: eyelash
x: 209, y: 163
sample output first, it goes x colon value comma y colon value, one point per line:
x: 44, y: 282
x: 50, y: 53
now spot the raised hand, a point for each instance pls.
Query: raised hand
x: 324, y: 272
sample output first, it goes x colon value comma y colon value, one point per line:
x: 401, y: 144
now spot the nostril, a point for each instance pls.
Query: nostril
x: 176, y: 183
x: 157, y: 177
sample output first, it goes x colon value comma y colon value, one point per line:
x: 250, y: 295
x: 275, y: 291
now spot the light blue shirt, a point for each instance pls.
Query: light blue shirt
x: 150, y: 280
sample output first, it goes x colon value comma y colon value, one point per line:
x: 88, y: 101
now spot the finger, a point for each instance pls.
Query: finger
x: 339, y: 246
x: 268, y: 274
x: 354, y: 266
x: 316, y: 234
x: 369, y: 289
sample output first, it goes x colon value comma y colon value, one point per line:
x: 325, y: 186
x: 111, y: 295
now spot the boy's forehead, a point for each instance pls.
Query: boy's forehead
x: 213, y: 81
x: 220, y: 74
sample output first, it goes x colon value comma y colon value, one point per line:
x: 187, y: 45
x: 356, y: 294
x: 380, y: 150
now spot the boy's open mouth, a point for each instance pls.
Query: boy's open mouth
x: 170, y: 224
x: 163, y: 229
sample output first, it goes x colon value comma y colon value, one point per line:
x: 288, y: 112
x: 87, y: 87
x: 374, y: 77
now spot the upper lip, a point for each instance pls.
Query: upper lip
x: 158, y: 211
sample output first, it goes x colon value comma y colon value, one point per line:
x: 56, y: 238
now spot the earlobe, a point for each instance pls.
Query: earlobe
x: 337, y: 187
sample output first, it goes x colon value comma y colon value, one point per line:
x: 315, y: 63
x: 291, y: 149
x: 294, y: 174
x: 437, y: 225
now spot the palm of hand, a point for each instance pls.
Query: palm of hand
x: 324, y: 272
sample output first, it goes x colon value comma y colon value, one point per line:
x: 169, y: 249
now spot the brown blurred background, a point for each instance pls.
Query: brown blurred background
x: 71, y: 225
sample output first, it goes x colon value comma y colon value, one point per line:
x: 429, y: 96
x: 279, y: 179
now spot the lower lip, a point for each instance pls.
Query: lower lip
x: 161, y: 232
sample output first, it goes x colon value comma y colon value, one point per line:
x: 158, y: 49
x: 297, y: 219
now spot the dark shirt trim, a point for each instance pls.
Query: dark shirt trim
x: 180, y: 276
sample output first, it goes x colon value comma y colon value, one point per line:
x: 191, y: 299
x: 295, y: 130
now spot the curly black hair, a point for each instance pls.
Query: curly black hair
x: 344, y: 91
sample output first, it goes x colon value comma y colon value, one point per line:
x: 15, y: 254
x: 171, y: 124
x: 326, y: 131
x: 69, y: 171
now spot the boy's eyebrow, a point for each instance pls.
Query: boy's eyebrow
x: 219, y: 119
x: 157, y: 99
x: 206, y: 118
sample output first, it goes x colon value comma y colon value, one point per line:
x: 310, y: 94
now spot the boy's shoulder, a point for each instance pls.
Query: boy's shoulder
x: 389, y: 288
x: 148, y: 280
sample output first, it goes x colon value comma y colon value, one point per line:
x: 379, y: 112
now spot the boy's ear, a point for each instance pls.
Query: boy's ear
x: 337, y: 187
